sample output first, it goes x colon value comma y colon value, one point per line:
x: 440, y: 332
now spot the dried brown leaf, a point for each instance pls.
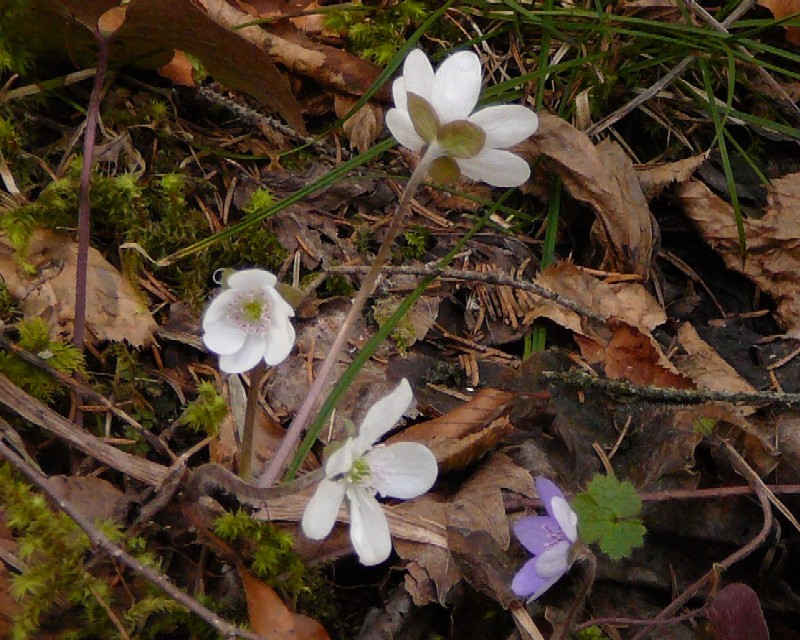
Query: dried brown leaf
x: 773, y: 241
x: 783, y: 9
x: 705, y: 366
x: 736, y: 613
x: 153, y: 29
x: 179, y: 70
x: 465, y: 434
x: 272, y: 619
x: 94, y: 498
x: 364, y: 126
x: 654, y: 178
x: 603, y: 177
x: 114, y: 310
x: 633, y: 355
x: 625, y: 301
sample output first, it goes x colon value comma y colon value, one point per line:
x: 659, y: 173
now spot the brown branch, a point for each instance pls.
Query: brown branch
x: 490, y: 277
x: 39, y: 414
x: 98, y: 539
x: 690, y: 592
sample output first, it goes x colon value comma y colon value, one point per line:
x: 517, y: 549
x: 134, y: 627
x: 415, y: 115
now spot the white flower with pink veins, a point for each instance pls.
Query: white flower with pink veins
x: 249, y: 321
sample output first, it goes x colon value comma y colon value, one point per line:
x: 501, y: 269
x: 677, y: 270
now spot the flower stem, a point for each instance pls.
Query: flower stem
x: 564, y: 630
x: 303, y: 414
x: 82, y: 266
x: 253, y: 392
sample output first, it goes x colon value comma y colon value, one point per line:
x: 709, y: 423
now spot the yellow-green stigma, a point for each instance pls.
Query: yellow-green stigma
x: 359, y: 472
x: 253, y: 310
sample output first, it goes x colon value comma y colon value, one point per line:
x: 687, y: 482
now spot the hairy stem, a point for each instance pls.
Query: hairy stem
x: 300, y: 421
x: 253, y: 393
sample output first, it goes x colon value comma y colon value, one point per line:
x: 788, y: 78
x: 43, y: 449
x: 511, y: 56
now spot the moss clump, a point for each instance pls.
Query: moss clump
x: 34, y: 336
x: 414, y: 244
x: 154, y: 216
x: 272, y: 558
x: 378, y: 34
x: 404, y: 334
x: 207, y: 411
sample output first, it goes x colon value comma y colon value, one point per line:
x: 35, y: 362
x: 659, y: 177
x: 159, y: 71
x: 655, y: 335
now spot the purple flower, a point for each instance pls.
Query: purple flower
x: 549, y: 538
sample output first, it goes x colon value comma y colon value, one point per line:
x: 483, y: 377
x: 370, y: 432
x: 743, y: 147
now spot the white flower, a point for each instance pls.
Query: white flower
x: 434, y: 109
x: 359, y: 469
x: 249, y: 321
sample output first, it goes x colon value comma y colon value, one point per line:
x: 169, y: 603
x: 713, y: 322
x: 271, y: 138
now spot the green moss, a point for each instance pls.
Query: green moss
x: 272, y: 558
x: 404, y: 334
x: 336, y: 284
x: 207, y: 411
x: 414, y: 244
x: 34, y: 336
x: 378, y: 33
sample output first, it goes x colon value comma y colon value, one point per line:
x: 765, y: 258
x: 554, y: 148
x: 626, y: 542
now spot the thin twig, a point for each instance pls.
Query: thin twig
x: 690, y: 592
x: 278, y: 462
x: 98, y: 539
x: 663, y: 395
x: 564, y: 628
x: 484, y: 277
x: 637, y: 622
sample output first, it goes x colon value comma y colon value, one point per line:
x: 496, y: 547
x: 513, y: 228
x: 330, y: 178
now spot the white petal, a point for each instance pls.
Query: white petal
x: 219, y: 307
x: 505, y: 125
x: 223, y: 338
x: 252, y: 279
x: 403, y: 470
x: 341, y: 460
x: 567, y: 519
x: 497, y: 168
x: 245, y: 358
x: 369, y: 530
x: 399, y: 94
x: 278, y: 303
x: 321, y: 511
x: 554, y: 561
x: 399, y: 123
x: 457, y: 86
x: 280, y: 340
x: 385, y: 413
x: 418, y: 74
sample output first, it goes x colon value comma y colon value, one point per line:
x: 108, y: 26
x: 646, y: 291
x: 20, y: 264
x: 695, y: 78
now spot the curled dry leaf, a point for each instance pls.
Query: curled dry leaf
x: 465, y: 434
x: 114, y: 311
x: 179, y: 70
x: 603, y: 177
x: 654, y: 178
x: 153, y: 29
x: 773, y: 241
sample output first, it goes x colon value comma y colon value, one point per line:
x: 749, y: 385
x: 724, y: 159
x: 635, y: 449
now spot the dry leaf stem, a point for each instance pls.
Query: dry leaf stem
x: 368, y: 285
x: 116, y: 553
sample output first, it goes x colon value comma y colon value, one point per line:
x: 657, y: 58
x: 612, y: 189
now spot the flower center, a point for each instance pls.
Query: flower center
x: 250, y: 311
x: 359, y: 473
x: 554, y: 535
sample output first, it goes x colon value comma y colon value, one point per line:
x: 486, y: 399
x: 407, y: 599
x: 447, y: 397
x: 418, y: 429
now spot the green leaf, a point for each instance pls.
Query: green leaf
x: 618, y: 497
x: 607, y: 515
x: 623, y: 538
x: 462, y: 139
